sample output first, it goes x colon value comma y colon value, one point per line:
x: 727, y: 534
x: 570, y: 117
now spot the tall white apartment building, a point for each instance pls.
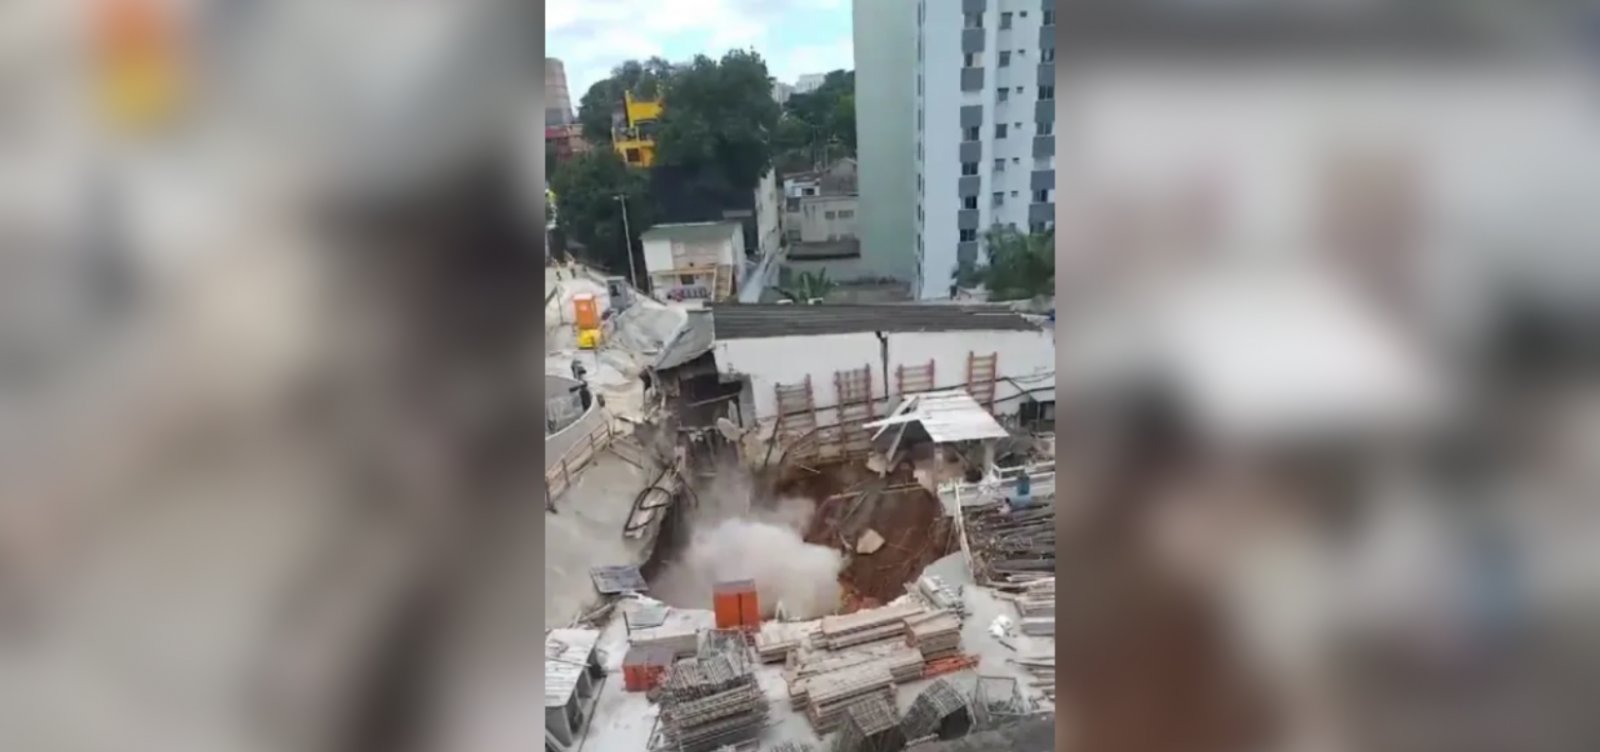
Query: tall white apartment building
x: 984, y: 128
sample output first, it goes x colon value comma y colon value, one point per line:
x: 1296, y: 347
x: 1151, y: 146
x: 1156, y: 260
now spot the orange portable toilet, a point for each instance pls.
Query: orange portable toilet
x: 586, y: 311
x: 727, y: 602
x: 644, y: 667
x: 750, y: 608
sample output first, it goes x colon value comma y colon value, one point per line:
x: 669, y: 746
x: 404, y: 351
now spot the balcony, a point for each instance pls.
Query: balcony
x: 972, y: 79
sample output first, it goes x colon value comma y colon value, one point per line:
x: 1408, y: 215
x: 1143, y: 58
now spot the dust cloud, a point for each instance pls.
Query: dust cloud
x: 733, y: 537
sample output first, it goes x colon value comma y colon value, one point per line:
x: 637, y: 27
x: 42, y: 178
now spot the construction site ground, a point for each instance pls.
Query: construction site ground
x: 624, y: 720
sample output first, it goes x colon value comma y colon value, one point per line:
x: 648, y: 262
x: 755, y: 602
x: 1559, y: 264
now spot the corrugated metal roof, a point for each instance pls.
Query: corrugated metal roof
x: 692, y: 339
x: 947, y: 416
x: 757, y: 320
x: 566, y: 655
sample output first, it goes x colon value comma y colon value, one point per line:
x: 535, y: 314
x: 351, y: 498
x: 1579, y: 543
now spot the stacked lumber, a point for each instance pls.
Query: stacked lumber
x: 777, y: 640
x: 865, y: 626
x: 936, y: 634
x: 831, y: 695
x: 902, y: 663
x: 1036, y: 607
x: 1011, y: 549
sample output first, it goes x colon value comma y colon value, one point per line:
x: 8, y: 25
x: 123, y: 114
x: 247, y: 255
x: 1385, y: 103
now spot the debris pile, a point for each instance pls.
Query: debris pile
x: 709, y: 703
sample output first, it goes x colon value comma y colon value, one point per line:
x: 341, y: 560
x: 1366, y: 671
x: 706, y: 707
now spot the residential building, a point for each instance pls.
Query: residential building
x: 557, y: 100
x: 695, y: 260
x: 809, y: 82
x: 633, y: 130
x: 984, y: 124
x: 885, y: 60
x: 688, y: 196
x: 781, y: 92
x: 820, y: 215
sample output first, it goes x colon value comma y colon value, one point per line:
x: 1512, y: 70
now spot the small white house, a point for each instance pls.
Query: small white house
x: 694, y: 260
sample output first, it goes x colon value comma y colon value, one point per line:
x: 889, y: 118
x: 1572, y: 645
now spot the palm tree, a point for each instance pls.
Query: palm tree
x: 808, y: 286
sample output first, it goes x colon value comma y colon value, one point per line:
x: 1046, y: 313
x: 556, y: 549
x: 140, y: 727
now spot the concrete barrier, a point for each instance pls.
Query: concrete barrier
x: 559, y: 400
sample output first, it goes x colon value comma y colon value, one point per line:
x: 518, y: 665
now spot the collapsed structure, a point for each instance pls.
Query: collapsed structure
x: 867, y: 477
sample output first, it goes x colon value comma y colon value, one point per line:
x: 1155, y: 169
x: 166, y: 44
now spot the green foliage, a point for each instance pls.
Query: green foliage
x: 719, y: 119
x: 586, y: 187
x: 646, y: 80
x: 808, y: 286
x: 819, y: 127
x: 1019, y: 266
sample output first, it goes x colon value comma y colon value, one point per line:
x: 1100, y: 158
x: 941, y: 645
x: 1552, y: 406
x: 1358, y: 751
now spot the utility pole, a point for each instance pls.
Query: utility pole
x: 627, y: 241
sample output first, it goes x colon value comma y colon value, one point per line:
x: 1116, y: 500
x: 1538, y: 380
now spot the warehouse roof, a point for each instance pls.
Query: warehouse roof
x: 756, y: 320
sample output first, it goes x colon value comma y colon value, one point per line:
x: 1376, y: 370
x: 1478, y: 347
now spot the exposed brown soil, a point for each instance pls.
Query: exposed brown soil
x: 914, y: 528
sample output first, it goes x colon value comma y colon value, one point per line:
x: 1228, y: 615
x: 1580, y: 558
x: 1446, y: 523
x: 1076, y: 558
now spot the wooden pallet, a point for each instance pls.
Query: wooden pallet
x: 853, y: 389
x: 797, y: 417
x: 913, y: 379
x: 982, y: 370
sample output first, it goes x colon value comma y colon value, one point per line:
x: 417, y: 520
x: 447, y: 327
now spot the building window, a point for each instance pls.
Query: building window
x: 846, y: 214
x: 829, y: 215
x: 973, y: 20
x: 919, y: 121
x: 1005, y: 20
x: 969, y: 202
x: 633, y: 156
x: 1000, y: 130
x: 971, y: 59
x: 919, y: 84
x: 968, y: 236
x: 1038, y: 228
x: 969, y: 169
x: 1002, y: 94
x: 970, y: 134
x: 1049, y: 17
x: 685, y: 279
x: 1013, y: 194
x: 1045, y: 129
x: 999, y: 165
x: 1041, y: 196
x: 1023, y: 14
x: 808, y: 191
x: 1047, y: 55
x: 998, y: 199
x: 1047, y: 92
x: 1005, y: 58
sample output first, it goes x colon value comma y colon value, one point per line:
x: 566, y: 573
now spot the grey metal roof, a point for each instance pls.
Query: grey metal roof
x: 692, y: 339
x: 692, y: 231
x: 757, y: 320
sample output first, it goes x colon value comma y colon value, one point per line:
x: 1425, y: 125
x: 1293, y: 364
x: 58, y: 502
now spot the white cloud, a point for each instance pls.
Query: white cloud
x: 813, y: 58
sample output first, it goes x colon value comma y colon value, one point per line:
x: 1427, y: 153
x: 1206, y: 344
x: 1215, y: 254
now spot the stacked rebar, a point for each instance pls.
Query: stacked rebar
x: 1036, y: 606
x: 709, y: 703
x: 1011, y: 548
x: 940, y: 712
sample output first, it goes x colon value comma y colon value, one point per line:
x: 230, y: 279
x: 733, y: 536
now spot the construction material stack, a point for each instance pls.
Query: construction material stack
x: 1010, y: 548
x: 941, y: 595
x: 644, y: 667
x: 866, y: 626
x: 940, y: 712
x: 777, y: 640
x: 871, y: 725
x: 1036, y: 607
x: 830, y: 696
x: 710, y: 703
x: 935, y: 634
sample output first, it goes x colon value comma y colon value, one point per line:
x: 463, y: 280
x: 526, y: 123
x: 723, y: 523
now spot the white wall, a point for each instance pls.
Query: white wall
x: 1028, y: 357
x: 813, y: 221
x: 940, y: 137
x: 769, y: 215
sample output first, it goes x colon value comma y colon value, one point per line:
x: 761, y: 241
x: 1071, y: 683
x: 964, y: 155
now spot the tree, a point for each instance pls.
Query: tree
x: 719, y: 118
x: 820, y: 126
x: 1019, y: 266
x: 808, y: 286
x: 586, y: 187
x: 645, y: 80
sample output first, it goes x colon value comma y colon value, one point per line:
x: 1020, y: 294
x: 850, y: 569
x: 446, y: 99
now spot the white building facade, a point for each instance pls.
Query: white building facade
x: 984, y: 125
x: 694, y: 261
x: 885, y: 59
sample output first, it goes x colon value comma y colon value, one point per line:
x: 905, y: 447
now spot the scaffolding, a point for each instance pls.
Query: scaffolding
x: 871, y: 725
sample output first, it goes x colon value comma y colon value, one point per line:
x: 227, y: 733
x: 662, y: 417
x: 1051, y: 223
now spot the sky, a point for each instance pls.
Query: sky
x: 794, y: 36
